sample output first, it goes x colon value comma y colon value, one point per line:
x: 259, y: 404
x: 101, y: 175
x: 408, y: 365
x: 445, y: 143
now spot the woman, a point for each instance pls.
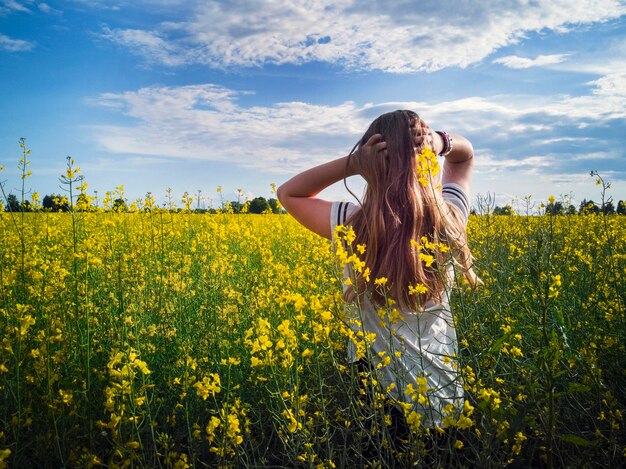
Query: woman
x: 410, y: 236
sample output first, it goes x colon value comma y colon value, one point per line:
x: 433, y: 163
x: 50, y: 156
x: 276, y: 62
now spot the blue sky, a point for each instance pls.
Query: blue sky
x: 189, y: 95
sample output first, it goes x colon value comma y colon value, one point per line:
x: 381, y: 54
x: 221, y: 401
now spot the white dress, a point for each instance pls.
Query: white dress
x: 418, y: 344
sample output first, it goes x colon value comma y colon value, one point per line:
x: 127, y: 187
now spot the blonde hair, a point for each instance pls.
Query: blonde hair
x: 401, y: 216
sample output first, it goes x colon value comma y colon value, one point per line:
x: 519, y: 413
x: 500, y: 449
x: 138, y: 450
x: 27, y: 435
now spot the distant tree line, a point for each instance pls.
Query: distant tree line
x: 59, y: 203
x: 559, y: 208
x: 83, y: 203
x: 256, y: 205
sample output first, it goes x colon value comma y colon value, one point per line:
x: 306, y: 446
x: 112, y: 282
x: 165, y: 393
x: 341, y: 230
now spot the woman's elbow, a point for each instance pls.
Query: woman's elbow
x: 280, y: 194
x: 470, y: 152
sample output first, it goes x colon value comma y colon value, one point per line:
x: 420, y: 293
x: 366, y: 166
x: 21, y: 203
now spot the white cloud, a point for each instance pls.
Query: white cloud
x: 99, y: 4
x: 529, y: 165
x: 148, y: 44
x: 607, y: 101
x: 7, y: 6
x: 505, y: 115
x: 24, y: 6
x: 613, y: 84
x: 610, y: 154
x: 206, y: 122
x: 548, y: 141
x: 607, y: 55
x: 513, y: 61
x: 14, y: 45
x: 45, y: 8
x: 359, y: 34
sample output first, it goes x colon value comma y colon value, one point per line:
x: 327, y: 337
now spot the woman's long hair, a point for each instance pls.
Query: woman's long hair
x: 398, y: 213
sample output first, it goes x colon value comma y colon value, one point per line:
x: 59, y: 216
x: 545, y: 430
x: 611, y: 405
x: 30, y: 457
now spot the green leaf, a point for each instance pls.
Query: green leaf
x: 497, y: 345
x: 579, y: 440
x: 577, y: 387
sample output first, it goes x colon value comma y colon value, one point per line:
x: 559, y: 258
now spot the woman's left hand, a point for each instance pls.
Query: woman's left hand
x: 373, y: 147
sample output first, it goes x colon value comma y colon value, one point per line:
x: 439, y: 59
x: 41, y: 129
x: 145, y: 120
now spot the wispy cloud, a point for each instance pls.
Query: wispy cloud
x: 562, y: 140
x: 358, y: 35
x: 45, y: 8
x: 489, y: 163
x: 99, y: 4
x: 206, y: 122
x: 513, y: 61
x: 14, y: 45
x: 8, y: 6
x: 147, y: 44
x: 25, y: 6
x: 608, y: 56
x: 607, y: 100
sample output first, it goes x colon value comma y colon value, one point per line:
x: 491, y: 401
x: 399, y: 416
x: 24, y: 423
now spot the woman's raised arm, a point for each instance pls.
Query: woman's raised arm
x: 299, y: 194
x: 459, y: 163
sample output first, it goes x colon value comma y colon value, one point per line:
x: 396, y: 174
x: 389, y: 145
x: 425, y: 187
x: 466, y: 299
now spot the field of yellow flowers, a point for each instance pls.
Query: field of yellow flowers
x: 146, y: 337
x: 159, y: 339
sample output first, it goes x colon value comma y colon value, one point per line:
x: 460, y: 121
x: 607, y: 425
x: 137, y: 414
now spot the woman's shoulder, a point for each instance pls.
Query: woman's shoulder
x: 340, y: 212
x: 457, y: 196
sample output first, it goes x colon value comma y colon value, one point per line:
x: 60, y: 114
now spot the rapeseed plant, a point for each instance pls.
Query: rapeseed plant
x: 180, y: 339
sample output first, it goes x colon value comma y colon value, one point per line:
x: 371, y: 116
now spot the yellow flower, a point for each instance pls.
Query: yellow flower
x: 292, y: 423
x: 422, y: 385
x: 234, y: 431
x: 418, y: 289
x: 66, y: 396
x: 209, y: 386
x: 414, y: 419
x: 517, y: 446
x: 554, y: 286
x: 427, y: 259
x: 427, y: 166
x: 25, y: 324
x: 380, y: 281
x: 142, y: 366
x: 211, y: 426
x: 384, y: 362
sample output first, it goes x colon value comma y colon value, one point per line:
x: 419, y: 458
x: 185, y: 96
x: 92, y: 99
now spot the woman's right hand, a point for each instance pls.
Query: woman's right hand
x: 426, y: 137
